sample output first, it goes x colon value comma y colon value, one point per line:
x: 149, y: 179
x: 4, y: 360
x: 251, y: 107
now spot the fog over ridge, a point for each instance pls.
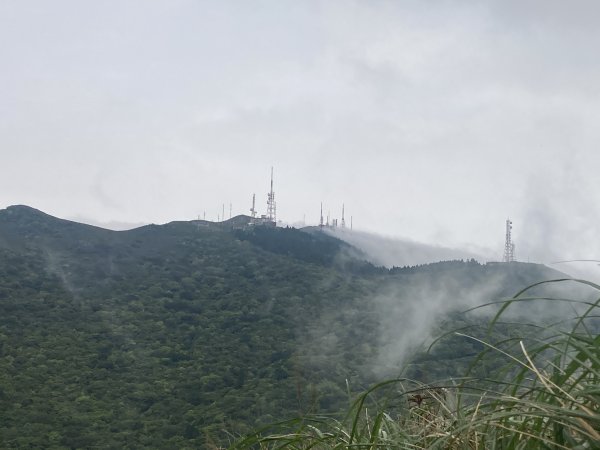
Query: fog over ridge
x: 397, y: 252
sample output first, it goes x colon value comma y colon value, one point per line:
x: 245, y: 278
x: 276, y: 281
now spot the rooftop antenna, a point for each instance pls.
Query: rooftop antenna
x: 343, y: 220
x: 509, y: 246
x: 253, y: 209
x: 271, y: 207
x: 321, y: 221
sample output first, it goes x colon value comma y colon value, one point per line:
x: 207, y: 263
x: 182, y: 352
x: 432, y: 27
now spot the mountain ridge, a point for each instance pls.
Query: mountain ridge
x: 177, y: 335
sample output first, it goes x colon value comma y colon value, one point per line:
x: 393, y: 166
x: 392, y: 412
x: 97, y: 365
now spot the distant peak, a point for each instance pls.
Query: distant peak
x: 24, y: 209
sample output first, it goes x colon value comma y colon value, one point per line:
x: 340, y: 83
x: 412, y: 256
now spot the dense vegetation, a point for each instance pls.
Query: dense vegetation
x: 183, y: 335
x: 547, y: 395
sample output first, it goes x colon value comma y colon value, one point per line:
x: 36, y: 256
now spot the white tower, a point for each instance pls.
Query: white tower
x: 509, y: 246
x: 253, y: 209
x: 321, y: 221
x: 271, y: 206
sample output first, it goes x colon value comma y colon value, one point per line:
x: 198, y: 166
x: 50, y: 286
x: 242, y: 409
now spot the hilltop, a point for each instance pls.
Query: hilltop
x: 166, y: 335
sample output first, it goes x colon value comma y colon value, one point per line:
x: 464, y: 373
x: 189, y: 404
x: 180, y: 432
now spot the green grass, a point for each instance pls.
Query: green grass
x: 547, y: 396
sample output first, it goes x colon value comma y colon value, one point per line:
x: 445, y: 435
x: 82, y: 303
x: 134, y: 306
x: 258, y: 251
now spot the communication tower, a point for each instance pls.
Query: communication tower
x: 509, y: 246
x: 253, y: 209
x: 321, y: 221
x: 343, y: 220
x: 271, y: 206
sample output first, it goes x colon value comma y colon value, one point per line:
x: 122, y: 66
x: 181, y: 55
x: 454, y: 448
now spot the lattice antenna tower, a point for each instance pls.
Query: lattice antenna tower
x: 343, y: 220
x: 271, y: 206
x: 509, y: 246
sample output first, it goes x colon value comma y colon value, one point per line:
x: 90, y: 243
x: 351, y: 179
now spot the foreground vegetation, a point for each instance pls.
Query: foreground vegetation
x: 546, y: 396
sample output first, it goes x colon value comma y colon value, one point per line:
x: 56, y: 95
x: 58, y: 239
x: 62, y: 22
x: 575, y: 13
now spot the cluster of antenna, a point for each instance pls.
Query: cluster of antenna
x: 271, y: 217
x: 334, y: 222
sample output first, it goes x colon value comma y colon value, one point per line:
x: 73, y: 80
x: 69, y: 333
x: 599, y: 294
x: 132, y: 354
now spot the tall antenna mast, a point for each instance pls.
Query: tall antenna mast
x: 271, y: 206
x: 253, y: 209
x: 321, y: 221
x: 343, y: 220
x: 509, y: 246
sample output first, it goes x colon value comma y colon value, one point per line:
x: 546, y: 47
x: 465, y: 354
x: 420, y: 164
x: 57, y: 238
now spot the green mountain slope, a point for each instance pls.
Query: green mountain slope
x: 164, y: 336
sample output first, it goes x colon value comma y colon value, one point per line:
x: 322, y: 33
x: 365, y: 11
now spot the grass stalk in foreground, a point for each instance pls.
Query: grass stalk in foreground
x: 549, y: 398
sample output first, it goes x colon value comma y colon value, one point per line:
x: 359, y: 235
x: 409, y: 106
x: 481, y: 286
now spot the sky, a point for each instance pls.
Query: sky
x: 431, y: 121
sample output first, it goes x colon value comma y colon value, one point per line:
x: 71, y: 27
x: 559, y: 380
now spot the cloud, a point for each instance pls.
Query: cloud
x: 428, y: 121
x: 396, y: 252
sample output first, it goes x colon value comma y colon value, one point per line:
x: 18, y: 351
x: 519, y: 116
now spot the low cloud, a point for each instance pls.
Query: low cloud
x: 390, y: 252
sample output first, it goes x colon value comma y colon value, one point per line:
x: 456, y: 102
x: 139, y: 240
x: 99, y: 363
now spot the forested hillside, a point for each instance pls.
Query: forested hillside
x: 172, y: 336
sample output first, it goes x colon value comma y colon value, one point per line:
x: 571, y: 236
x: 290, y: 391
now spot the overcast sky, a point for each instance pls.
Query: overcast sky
x: 432, y: 120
